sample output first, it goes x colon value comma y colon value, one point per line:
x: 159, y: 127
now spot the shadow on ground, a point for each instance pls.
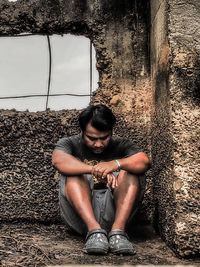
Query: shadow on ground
x: 27, y: 244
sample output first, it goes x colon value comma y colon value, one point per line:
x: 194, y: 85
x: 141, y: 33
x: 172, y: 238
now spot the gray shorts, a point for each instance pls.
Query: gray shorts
x: 102, y: 203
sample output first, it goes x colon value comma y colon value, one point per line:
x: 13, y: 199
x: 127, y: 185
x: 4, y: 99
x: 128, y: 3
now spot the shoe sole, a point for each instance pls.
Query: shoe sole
x: 124, y: 252
x: 96, y: 251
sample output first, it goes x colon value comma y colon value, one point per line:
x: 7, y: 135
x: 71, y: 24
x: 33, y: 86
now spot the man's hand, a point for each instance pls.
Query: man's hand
x: 111, y: 180
x: 102, y: 169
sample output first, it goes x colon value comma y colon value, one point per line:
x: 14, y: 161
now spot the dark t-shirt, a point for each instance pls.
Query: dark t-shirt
x: 117, y: 148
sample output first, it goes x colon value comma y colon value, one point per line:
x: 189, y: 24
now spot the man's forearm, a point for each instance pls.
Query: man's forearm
x: 69, y: 165
x: 137, y: 163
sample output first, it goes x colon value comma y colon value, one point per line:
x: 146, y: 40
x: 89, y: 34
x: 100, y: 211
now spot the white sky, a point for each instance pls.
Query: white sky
x: 24, y: 70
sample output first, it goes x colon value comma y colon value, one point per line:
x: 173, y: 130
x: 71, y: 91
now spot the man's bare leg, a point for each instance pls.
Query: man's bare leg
x: 78, y: 194
x: 125, y: 196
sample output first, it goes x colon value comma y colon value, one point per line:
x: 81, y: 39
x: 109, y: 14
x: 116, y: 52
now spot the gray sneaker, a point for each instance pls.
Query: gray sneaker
x: 119, y: 243
x: 96, y: 242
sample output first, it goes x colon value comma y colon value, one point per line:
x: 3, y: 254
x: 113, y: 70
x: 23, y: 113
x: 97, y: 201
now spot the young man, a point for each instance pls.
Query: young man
x: 102, y: 179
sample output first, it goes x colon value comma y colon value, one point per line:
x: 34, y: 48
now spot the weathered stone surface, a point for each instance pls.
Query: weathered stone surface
x: 28, y: 188
x: 176, y: 124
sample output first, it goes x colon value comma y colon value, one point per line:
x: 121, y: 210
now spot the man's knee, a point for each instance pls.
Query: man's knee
x: 76, y: 185
x: 128, y: 178
x: 76, y: 180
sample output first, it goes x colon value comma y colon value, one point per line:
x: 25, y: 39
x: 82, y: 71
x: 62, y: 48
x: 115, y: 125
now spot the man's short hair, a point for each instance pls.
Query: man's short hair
x: 100, y: 117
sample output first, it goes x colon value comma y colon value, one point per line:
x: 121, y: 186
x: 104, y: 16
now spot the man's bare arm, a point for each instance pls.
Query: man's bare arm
x: 68, y: 164
x: 137, y: 164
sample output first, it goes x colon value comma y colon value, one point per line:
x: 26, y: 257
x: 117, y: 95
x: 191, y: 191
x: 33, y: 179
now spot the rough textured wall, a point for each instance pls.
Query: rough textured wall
x: 118, y: 30
x: 28, y: 190
x: 176, y: 125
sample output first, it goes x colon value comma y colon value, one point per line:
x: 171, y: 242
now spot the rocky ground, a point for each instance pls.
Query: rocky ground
x: 28, y: 244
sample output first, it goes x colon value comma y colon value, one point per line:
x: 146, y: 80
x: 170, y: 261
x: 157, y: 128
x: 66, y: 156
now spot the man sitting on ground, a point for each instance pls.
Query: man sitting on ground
x: 102, y: 180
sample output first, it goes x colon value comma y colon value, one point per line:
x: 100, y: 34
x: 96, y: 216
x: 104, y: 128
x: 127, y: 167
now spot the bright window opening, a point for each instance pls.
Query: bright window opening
x: 37, y: 72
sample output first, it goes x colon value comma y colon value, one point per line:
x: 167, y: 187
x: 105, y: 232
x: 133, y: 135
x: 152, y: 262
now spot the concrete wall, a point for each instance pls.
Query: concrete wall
x: 118, y: 30
x: 175, y: 126
x: 28, y: 190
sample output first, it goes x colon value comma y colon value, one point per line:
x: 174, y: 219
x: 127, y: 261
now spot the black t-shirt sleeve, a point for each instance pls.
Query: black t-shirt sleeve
x: 118, y: 148
x: 126, y: 147
x: 65, y: 144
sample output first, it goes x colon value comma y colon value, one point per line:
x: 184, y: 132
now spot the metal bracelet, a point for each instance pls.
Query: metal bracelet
x: 117, y: 163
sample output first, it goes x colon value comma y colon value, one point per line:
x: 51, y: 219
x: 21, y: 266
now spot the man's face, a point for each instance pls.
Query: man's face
x: 96, y: 140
